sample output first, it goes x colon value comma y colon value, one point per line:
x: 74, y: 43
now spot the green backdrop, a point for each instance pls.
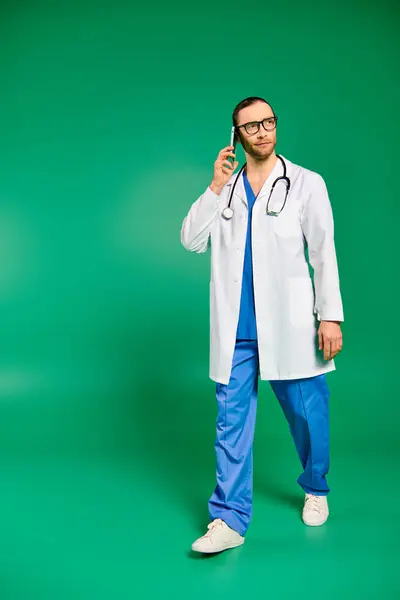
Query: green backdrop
x: 112, y: 114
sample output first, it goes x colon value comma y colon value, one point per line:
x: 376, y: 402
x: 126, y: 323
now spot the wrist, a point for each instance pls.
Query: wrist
x: 330, y: 321
x: 215, y: 188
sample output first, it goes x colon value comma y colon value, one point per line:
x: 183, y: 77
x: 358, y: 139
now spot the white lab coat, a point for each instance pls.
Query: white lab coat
x: 287, y: 306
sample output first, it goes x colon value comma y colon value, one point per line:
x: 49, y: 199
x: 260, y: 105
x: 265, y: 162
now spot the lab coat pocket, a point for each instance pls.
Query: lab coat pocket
x: 301, y: 301
x: 287, y: 224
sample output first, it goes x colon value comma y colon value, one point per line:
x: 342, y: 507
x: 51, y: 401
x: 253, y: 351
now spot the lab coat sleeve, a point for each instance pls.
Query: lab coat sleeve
x: 197, y: 225
x: 318, y: 228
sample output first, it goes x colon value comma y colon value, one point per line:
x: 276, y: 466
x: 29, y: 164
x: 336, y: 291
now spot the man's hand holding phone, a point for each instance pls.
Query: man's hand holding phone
x: 223, y: 168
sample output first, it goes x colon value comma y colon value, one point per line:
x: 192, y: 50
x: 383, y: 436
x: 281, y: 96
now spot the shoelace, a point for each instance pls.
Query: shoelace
x: 213, y: 526
x: 313, y: 503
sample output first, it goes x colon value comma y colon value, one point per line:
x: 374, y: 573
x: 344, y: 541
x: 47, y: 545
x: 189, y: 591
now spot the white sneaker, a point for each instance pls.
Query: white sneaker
x: 315, y: 511
x: 218, y: 537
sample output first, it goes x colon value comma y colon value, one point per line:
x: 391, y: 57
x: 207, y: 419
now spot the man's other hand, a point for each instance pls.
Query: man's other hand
x: 330, y: 338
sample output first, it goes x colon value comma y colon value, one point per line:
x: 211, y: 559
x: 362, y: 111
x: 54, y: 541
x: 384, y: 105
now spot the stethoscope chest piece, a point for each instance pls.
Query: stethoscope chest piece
x: 227, y: 213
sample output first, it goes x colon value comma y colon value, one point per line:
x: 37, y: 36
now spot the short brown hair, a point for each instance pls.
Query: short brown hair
x: 247, y: 102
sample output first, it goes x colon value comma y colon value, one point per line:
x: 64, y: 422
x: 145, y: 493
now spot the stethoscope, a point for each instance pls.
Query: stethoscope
x: 228, y: 211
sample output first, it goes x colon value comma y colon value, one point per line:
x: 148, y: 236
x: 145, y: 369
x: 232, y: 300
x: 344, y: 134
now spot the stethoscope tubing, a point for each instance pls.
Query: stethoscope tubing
x: 228, y: 211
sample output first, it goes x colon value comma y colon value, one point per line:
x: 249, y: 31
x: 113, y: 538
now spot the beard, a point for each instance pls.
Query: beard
x: 258, y: 153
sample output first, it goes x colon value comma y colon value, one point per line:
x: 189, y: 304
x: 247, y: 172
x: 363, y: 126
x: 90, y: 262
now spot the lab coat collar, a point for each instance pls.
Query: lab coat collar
x: 277, y: 171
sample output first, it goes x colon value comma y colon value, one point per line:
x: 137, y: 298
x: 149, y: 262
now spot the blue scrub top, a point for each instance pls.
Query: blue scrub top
x: 247, y: 329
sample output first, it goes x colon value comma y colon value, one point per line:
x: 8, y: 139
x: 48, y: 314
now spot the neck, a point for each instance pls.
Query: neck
x: 260, y: 169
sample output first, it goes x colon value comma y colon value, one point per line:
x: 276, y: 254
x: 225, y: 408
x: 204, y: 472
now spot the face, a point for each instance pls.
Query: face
x: 258, y: 145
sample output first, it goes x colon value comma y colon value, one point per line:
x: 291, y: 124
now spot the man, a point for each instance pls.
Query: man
x: 267, y: 317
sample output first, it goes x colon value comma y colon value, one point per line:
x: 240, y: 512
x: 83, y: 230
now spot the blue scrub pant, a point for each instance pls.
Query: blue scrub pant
x: 305, y: 405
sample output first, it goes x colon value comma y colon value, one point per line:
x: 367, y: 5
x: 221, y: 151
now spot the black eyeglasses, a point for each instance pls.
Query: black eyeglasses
x: 253, y: 127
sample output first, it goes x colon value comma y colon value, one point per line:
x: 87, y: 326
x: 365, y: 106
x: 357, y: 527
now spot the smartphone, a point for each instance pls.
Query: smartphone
x: 232, y: 143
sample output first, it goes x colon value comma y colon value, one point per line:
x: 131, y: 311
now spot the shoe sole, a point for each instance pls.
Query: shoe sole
x: 315, y: 524
x: 227, y: 547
